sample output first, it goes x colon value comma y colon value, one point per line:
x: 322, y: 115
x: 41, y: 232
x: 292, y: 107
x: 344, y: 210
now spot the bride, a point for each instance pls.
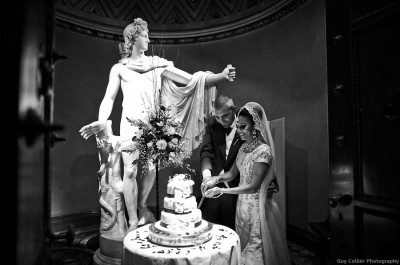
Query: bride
x: 258, y: 220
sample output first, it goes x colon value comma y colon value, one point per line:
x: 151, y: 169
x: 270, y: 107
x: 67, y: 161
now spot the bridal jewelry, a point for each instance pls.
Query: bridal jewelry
x: 255, y: 135
x: 247, y: 148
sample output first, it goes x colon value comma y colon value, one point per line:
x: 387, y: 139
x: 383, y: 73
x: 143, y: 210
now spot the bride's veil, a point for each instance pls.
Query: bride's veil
x: 272, y: 226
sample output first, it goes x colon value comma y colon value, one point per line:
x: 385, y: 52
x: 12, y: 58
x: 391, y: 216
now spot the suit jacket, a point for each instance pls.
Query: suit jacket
x: 214, y: 147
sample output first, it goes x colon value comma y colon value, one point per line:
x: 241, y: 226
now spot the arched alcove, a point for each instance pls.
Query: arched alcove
x: 173, y: 21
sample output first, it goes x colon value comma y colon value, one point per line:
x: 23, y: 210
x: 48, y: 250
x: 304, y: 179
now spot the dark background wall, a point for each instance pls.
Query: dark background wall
x: 281, y: 66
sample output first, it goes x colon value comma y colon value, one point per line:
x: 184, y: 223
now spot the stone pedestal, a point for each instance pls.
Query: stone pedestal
x: 110, y: 251
x: 113, y: 225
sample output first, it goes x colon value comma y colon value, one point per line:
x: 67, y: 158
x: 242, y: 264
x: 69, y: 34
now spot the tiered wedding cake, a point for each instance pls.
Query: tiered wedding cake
x: 181, y: 222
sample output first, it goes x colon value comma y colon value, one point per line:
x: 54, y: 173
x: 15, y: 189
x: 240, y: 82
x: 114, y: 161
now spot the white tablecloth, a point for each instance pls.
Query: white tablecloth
x: 223, y: 248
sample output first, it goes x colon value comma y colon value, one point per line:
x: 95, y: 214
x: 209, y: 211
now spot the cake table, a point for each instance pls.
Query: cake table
x: 223, y: 248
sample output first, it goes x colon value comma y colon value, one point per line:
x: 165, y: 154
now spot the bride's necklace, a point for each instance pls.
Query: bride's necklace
x: 248, y: 148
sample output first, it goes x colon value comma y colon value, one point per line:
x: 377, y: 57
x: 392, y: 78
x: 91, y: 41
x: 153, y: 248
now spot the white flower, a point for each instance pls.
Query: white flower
x: 161, y: 144
x: 139, y: 133
x: 170, y: 130
x: 150, y: 144
x: 160, y: 124
x: 172, y: 156
x: 174, y: 140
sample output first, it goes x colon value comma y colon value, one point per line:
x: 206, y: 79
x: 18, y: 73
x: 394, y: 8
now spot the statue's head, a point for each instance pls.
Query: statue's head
x: 131, y: 33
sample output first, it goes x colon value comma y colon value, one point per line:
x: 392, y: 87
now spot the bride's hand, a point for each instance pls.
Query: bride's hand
x: 209, y: 183
x: 212, y: 192
x: 229, y: 72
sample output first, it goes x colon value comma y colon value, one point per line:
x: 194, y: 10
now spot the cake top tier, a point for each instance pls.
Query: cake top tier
x: 181, y: 184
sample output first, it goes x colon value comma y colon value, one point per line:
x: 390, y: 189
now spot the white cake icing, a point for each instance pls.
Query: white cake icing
x: 181, y: 185
x: 181, y: 222
x: 160, y: 235
x: 180, y: 205
x: 191, y: 229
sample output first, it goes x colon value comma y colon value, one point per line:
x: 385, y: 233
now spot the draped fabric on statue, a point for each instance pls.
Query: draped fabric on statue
x: 191, y: 105
x: 275, y: 251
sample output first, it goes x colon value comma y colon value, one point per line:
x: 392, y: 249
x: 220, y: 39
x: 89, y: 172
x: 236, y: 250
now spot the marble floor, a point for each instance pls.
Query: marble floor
x: 300, y: 255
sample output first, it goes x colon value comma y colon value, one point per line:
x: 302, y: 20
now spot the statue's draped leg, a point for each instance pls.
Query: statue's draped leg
x: 113, y: 224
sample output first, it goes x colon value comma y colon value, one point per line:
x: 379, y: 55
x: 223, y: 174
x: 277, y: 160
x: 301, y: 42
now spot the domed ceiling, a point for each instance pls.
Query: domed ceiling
x: 172, y: 21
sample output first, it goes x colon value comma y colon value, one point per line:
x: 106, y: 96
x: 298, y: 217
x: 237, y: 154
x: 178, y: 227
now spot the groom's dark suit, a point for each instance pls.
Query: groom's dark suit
x: 221, y: 210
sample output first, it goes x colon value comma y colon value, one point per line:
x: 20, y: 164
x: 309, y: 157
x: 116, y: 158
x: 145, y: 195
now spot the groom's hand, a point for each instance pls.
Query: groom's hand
x: 206, y: 177
x: 204, y: 186
x: 209, y: 184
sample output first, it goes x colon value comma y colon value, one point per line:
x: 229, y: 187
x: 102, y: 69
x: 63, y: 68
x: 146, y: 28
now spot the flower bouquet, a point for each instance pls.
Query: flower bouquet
x: 159, y: 140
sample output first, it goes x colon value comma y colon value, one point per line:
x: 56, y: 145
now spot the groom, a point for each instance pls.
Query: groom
x: 218, y: 153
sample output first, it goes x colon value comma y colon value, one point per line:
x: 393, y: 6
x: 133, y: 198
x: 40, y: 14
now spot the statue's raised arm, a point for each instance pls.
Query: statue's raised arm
x: 183, y: 77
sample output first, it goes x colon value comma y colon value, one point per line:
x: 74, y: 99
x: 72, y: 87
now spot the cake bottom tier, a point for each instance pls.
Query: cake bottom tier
x: 162, y: 236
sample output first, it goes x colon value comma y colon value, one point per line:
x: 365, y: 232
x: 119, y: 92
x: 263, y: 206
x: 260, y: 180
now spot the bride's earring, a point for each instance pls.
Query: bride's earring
x: 255, y: 136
